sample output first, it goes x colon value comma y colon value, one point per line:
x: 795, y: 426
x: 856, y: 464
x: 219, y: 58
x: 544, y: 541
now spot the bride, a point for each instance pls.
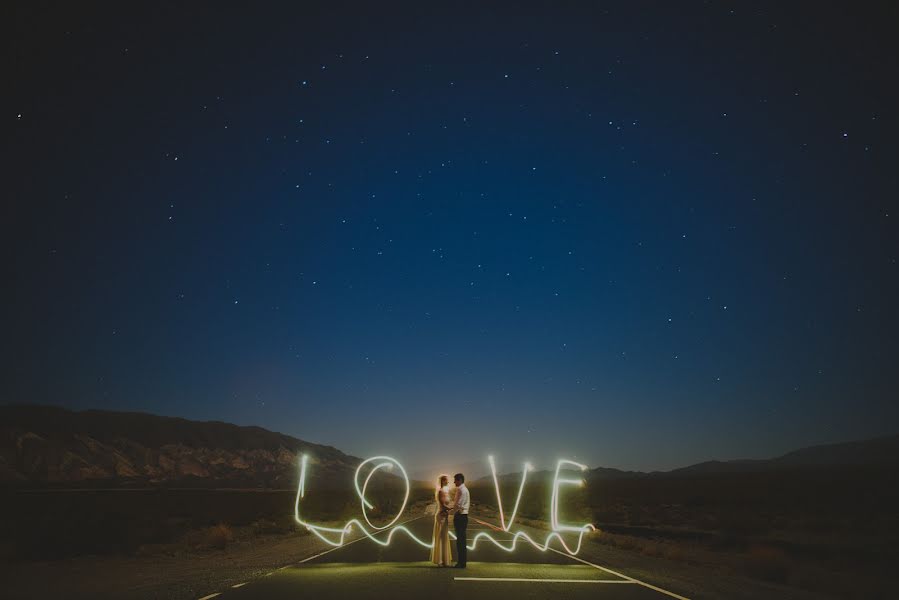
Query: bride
x: 440, y: 553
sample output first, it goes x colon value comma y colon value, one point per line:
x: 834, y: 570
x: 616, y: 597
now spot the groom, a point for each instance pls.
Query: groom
x: 461, y: 504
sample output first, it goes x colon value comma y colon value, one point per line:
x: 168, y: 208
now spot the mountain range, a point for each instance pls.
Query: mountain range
x: 51, y: 445
x: 42, y: 445
x: 880, y: 451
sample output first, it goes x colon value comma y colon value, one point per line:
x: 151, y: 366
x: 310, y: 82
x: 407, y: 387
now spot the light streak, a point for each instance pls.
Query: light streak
x: 499, y: 501
x: 554, y: 506
x: 348, y: 526
x: 586, y: 528
x: 388, y: 463
x: 302, y: 490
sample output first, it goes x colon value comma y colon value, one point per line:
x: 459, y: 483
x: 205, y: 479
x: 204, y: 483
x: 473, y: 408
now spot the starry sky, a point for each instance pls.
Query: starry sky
x: 637, y: 234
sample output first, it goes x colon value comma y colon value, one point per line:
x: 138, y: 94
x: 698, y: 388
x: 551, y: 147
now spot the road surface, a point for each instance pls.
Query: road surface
x: 401, y: 571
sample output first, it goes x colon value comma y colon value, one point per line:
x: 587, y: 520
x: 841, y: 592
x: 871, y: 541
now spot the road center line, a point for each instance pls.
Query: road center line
x: 525, y: 579
x: 595, y: 566
x: 616, y: 573
x: 210, y: 596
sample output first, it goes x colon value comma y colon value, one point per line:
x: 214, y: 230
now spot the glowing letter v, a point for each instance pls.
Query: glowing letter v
x: 499, y: 501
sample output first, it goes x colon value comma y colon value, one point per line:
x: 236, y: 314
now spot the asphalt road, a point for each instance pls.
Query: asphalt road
x: 400, y: 571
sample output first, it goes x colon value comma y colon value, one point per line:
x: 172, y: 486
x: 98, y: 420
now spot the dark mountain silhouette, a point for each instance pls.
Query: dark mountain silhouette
x: 881, y: 451
x: 609, y: 473
x: 50, y: 445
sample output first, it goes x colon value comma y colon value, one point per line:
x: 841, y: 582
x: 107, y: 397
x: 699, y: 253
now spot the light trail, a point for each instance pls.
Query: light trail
x: 499, y: 501
x: 388, y: 463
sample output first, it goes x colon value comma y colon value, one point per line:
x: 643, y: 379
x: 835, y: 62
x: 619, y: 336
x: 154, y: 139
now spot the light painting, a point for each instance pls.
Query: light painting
x: 337, y: 536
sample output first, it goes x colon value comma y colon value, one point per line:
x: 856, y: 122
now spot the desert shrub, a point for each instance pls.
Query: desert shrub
x: 767, y: 563
x: 742, y: 524
x: 216, y: 537
x: 269, y: 527
x: 675, y: 552
x: 219, y: 536
x: 651, y: 548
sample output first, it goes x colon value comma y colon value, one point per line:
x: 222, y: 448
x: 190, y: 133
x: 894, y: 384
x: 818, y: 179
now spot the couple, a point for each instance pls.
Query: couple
x: 441, y: 555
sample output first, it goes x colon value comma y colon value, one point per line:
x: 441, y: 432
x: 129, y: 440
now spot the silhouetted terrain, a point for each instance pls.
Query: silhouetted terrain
x: 822, y: 518
x: 96, y: 482
x: 882, y: 451
x: 100, y: 482
x: 49, y: 445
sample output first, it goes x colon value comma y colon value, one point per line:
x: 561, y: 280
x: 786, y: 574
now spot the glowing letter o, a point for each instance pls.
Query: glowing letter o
x: 386, y: 464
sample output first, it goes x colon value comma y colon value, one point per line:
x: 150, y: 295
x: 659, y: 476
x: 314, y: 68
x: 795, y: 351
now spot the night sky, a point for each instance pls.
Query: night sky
x: 641, y: 235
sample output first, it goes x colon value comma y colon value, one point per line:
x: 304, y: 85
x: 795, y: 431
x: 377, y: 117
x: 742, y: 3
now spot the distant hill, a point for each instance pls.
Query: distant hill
x: 50, y: 445
x: 607, y: 473
x: 880, y: 451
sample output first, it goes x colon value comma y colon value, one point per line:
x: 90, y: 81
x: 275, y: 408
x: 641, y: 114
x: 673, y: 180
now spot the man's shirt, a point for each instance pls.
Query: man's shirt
x: 462, y: 501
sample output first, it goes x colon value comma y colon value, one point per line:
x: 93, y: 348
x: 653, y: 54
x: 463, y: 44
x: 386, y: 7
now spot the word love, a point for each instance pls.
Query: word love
x: 336, y: 536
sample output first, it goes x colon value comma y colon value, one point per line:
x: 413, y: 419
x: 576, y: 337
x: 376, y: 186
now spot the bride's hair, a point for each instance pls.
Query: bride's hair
x: 442, y: 477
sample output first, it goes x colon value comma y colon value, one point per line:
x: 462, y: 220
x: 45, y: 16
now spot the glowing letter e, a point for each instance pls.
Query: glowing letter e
x: 554, y: 499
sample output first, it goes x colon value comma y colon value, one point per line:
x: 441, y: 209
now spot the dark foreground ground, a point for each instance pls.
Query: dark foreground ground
x: 301, y: 566
x: 789, y: 537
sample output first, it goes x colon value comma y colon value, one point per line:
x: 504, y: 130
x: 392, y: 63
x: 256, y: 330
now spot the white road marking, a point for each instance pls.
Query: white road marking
x: 237, y: 585
x: 308, y: 558
x: 595, y: 566
x: 581, y: 560
x: 543, y: 580
x: 210, y: 596
x: 637, y: 581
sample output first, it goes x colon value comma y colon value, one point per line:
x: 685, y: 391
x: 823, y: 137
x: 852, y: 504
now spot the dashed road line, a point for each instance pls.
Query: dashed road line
x: 530, y: 580
x: 624, y: 579
x: 307, y: 559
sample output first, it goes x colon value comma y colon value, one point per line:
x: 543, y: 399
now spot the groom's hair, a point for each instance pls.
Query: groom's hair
x: 460, y: 477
